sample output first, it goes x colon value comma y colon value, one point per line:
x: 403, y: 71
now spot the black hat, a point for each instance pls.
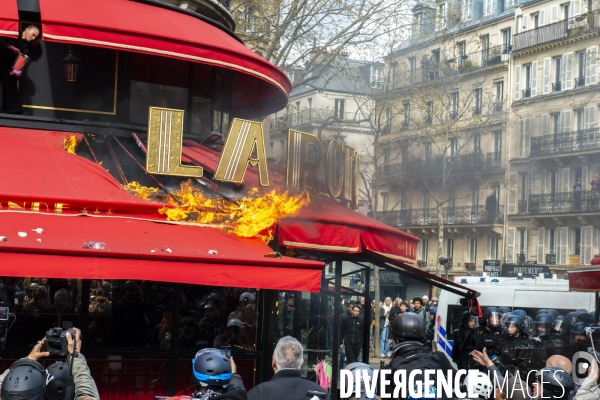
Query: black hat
x: 25, y: 381
x: 58, y: 376
x: 408, y: 326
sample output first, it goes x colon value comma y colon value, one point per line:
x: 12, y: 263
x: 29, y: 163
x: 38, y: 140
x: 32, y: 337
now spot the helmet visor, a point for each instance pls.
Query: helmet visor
x: 493, y: 318
x: 511, y: 327
x: 540, y: 329
x: 560, y: 327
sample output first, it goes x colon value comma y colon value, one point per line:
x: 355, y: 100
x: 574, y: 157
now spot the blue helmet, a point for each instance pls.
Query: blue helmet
x: 211, y: 368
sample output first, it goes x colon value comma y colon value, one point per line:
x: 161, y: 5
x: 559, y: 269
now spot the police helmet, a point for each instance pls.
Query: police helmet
x: 542, y: 311
x: 521, y: 313
x: 26, y: 380
x: 554, y: 313
x: 211, y: 368
x: 562, y: 325
x: 516, y: 321
x: 585, y: 317
x: 577, y: 332
x: 582, y: 310
x: 480, y: 384
x: 56, y: 381
x: 408, y: 326
x: 543, y: 325
x: 491, y: 315
x: 503, y: 310
x: 359, y: 368
x: 556, y: 383
x: 572, y: 317
x: 433, y: 311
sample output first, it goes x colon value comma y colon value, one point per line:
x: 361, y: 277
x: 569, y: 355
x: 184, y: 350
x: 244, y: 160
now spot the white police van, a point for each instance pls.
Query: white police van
x: 527, y: 294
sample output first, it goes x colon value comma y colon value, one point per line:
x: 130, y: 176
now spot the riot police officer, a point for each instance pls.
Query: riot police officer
x: 488, y: 336
x: 542, y: 332
x: 513, y: 336
x: 562, y: 328
x: 460, y: 335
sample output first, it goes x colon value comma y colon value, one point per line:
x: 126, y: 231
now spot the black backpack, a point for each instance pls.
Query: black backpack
x: 415, y: 361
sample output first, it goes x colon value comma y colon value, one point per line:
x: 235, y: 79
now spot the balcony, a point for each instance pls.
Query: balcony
x: 465, y: 215
x: 561, y: 202
x: 461, y: 164
x: 559, y: 30
x: 566, y: 142
x: 317, y: 116
x: 556, y: 87
x: 526, y: 93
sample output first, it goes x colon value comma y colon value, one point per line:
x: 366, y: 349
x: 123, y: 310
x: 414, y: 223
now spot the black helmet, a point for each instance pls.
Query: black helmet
x: 542, y: 311
x: 211, y: 368
x: 572, y: 317
x: 408, y: 326
x: 56, y: 382
x: 577, y: 332
x: 585, y: 317
x: 554, y: 313
x: 515, y: 320
x: 557, y: 384
x: 491, y: 316
x: 504, y: 310
x: 543, y: 325
x: 433, y: 311
x: 562, y: 325
x: 25, y: 381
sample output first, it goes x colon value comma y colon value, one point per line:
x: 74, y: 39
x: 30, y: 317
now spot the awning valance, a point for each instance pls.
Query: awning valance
x: 585, y: 279
x: 9, y: 18
x: 150, y: 29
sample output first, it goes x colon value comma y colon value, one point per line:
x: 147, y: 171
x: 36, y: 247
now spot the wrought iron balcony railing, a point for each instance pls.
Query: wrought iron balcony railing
x: 566, y: 142
x: 561, y: 202
x: 464, y: 215
x: 559, y: 30
x: 416, y: 168
x: 318, y: 116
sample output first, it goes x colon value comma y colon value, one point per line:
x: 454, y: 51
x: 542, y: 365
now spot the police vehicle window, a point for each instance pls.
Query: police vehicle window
x: 218, y: 317
x: 454, y: 318
x: 38, y: 304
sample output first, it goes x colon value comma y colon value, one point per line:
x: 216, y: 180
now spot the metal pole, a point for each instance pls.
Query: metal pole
x: 367, y: 317
x: 335, y: 354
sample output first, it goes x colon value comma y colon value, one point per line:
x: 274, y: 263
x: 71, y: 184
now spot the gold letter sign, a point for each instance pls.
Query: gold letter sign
x: 165, y: 135
x: 244, y: 136
x: 303, y: 159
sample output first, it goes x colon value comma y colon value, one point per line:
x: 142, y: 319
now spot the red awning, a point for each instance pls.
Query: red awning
x: 76, y: 201
x: 146, y: 28
x: 585, y: 279
x: 137, y: 249
x: 9, y: 18
x: 327, y: 226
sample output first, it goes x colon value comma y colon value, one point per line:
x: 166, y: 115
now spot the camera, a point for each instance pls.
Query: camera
x: 56, y: 341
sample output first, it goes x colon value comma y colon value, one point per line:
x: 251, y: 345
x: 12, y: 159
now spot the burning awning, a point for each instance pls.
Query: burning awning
x: 151, y: 29
x: 9, y: 19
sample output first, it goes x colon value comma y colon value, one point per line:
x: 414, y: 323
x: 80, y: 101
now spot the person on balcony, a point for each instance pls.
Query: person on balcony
x: 9, y: 50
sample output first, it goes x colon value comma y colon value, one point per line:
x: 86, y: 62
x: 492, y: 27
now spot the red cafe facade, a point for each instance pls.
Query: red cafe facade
x: 151, y: 103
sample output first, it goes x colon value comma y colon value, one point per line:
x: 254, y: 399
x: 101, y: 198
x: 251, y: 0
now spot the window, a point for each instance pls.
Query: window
x: 477, y: 143
x: 376, y: 77
x: 493, y: 248
x: 497, y: 143
x: 412, y: 63
x: 440, y: 23
x: 551, y: 241
x: 462, y: 53
x: 339, y: 108
x: 576, y: 241
x: 565, y: 11
x: 424, y: 250
x: 310, y: 105
x: 427, y: 150
x: 523, y: 187
x: 449, y: 247
x: 406, y: 110
x: 384, y: 201
x: 506, y: 36
x: 490, y: 7
x: 579, y: 119
x: 580, y: 81
x: 429, y: 112
x: 522, y: 245
x: 453, y: 147
x: 388, y: 117
x: 478, y: 99
x: 395, y: 75
x: 510, y: 3
x: 498, y: 95
x: 454, y: 105
x: 425, y: 205
x: 557, y: 74
x: 386, y: 156
x: 250, y: 19
x: 485, y: 49
x: 527, y: 82
x: 298, y: 111
x: 418, y: 23
x: 555, y: 117
x: 535, y: 20
x: 467, y: 10
x: 472, y: 249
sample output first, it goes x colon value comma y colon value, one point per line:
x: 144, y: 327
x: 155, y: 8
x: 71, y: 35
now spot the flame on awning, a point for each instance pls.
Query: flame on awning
x: 69, y: 144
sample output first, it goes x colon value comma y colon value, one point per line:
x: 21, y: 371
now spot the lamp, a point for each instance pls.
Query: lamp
x: 71, y: 64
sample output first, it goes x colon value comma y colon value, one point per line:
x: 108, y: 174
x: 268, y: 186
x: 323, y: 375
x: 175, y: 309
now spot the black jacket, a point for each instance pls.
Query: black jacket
x: 460, y: 336
x: 508, y: 347
x: 394, y: 312
x: 286, y: 384
x: 351, y: 330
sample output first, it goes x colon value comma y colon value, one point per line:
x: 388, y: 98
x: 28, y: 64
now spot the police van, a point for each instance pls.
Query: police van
x: 528, y: 294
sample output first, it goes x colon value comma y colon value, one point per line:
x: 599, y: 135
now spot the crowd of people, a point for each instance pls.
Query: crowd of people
x: 210, y: 317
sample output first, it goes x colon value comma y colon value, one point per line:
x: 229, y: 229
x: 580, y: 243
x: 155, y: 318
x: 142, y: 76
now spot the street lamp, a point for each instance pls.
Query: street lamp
x: 71, y: 65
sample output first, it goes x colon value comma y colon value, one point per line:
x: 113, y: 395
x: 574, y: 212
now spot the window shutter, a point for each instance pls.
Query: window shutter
x: 562, y: 248
x: 563, y: 180
x: 563, y: 70
x: 586, y: 252
x: 576, y: 7
x: 510, y: 246
x: 534, y: 72
x: 525, y: 21
x: 544, y: 124
x: 543, y: 181
x: 591, y: 67
x: 554, y: 14
x: 529, y: 187
x: 565, y: 121
x: 569, y: 80
x: 591, y: 117
x: 527, y: 137
x: 512, y: 194
x: 493, y: 2
x: 546, y: 77
x: 522, y: 137
x: 586, y: 118
x: 541, y: 259
x: 542, y: 18
x: 584, y: 178
x: 517, y: 82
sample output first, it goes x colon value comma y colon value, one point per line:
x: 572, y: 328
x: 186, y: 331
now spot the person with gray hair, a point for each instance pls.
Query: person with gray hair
x: 287, y: 383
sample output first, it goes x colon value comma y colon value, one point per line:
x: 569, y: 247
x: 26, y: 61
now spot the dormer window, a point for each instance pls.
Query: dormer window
x: 376, y: 77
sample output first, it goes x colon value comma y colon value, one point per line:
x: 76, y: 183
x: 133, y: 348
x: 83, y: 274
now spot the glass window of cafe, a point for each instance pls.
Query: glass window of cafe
x: 131, y: 329
x: 204, y: 92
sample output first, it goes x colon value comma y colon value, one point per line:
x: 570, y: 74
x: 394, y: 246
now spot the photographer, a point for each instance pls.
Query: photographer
x: 35, y: 383
x: 36, y: 299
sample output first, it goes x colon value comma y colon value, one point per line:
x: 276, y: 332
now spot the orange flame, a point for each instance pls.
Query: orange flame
x: 251, y: 215
x: 69, y: 144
